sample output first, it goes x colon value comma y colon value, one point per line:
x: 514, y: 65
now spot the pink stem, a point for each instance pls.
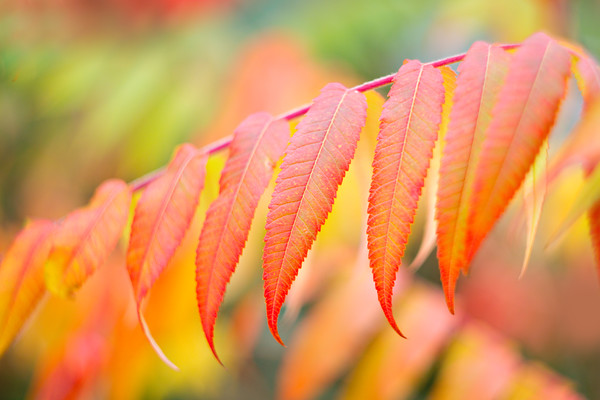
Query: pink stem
x: 224, y: 143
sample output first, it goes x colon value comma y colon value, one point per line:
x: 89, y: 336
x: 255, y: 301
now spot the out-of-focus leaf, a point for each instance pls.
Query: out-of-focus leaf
x: 534, y: 194
x: 480, y: 77
x: 582, y: 146
x: 393, y: 368
x: 22, y: 279
x: 409, y: 129
x: 86, y: 237
x: 162, y: 216
x: 71, y: 374
x: 316, y: 161
x: 478, y: 365
x: 522, y: 118
x: 257, y: 145
x: 537, y: 382
x: 594, y: 220
x: 314, y: 359
x: 588, y: 195
x: 587, y: 73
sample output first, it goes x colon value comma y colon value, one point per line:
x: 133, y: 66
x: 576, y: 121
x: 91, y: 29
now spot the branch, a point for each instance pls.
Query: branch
x: 221, y: 144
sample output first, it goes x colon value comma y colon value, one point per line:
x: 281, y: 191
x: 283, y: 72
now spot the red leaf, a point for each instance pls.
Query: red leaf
x: 429, y: 239
x: 317, y: 159
x: 522, y: 119
x: 257, y: 145
x: 480, y: 78
x: 582, y: 145
x: 594, y: 220
x: 587, y: 73
x: 22, y: 279
x: 409, y: 128
x: 162, y: 216
x: 86, y: 237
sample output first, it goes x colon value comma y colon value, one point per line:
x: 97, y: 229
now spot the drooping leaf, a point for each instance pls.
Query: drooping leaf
x: 587, y: 73
x: 522, y: 118
x: 594, y: 221
x: 480, y: 77
x: 86, y: 237
x: 588, y: 195
x: 582, y: 146
x: 534, y: 195
x: 409, y: 129
x: 257, y: 145
x: 162, y: 216
x: 22, y: 278
x: 317, y: 159
x: 433, y: 176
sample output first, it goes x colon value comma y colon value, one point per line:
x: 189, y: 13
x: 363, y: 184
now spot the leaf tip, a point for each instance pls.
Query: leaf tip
x: 153, y: 343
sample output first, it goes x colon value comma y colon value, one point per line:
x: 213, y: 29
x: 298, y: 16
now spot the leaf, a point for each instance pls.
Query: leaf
x: 480, y: 77
x: 522, y: 118
x: 72, y: 372
x: 317, y: 159
x: 162, y: 216
x: 483, y: 363
x: 392, y: 368
x: 22, y: 279
x: 587, y: 74
x: 594, y: 220
x: 258, y: 143
x: 432, y: 182
x: 582, y: 146
x: 588, y: 195
x: 86, y: 238
x: 408, y: 132
x: 332, y: 337
x: 534, y: 194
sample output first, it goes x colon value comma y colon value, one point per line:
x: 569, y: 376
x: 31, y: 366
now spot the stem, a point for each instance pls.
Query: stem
x: 221, y: 144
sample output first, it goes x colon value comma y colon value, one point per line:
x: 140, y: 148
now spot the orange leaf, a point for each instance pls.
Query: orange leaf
x: 534, y: 195
x: 257, y: 145
x: 433, y: 176
x: 22, y: 279
x: 317, y: 159
x: 582, y: 146
x: 480, y: 78
x: 86, y: 237
x: 587, y: 74
x: 588, y: 195
x: 162, y: 216
x: 522, y: 118
x: 409, y: 128
x: 594, y: 220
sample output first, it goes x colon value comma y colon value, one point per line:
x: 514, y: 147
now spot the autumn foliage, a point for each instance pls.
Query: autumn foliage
x: 490, y: 122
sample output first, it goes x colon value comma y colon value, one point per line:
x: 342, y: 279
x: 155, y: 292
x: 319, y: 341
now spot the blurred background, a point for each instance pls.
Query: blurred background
x: 96, y: 89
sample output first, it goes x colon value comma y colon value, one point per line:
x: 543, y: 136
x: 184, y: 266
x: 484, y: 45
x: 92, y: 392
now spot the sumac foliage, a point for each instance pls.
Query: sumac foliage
x: 490, y: 126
